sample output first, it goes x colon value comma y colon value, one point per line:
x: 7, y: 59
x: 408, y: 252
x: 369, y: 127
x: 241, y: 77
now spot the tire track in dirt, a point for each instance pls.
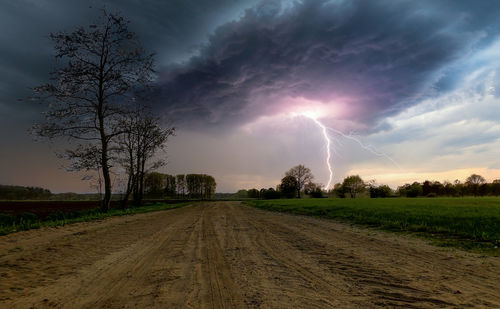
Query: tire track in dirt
x: 356, y: 276
x: 294, y: 266
x: 227, y: 255
x: 107, y: 280
x: 224, y: 293
x: 386, y: 267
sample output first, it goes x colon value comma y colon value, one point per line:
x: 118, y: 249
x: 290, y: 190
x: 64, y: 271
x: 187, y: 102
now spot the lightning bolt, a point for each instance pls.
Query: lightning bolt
x: 324, y: 130
x: 368, y: 148
x: 328, y: 154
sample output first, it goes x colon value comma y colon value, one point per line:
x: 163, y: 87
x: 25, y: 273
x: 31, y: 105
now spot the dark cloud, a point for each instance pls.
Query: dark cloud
x: 173, y: 29
x: 376, y: 56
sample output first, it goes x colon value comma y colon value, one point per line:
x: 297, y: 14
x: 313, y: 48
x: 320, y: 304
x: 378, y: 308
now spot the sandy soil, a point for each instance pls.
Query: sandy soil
x: 226, y: 255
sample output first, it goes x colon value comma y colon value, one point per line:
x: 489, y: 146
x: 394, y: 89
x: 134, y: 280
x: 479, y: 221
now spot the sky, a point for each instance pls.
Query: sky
x: 406, y: 90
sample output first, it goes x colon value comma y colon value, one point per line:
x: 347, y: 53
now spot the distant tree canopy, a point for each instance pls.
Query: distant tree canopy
x: 353, y: 185
x: 170, y: 185
x: 200, y: 185
x: 253, y: 193
x: 303, y: 176
x: 474, y: 185
x: 155, y: 183
x: 380, y: 191
x: 269, y: 194
x: 314, y: 189
x: 23, y: 193
x: 411, y: 190
x: 241, y: 194
x: 180, y: 186
x: 289, y: 186
x: 297, y: 180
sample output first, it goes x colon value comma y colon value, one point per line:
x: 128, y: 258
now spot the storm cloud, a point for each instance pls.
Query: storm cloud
x: 367, y: 59
x: 417, y: 80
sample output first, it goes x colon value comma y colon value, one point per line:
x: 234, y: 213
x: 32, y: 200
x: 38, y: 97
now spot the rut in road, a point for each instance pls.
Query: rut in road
x: 227, y: 255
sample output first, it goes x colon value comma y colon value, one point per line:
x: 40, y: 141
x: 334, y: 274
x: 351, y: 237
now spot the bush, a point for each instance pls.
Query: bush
x: 271, y: 194
x: 316, y: 193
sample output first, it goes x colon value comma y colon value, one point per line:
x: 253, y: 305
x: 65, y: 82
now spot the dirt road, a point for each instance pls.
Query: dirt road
x: 226, y: 255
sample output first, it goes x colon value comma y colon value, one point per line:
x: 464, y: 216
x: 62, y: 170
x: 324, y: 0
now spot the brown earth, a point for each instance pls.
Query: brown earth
x: 226, y: 255
x: 44, y: 208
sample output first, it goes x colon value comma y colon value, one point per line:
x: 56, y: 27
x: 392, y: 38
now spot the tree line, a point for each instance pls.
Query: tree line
x: 199, y: 186
x: 298, y: 181
x: 474, y: 185
x: 23, y: 193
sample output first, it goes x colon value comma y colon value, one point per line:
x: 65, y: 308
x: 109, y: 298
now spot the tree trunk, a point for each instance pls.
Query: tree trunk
x: 106, y: 203
x: 104, y: 138
x: 104, y: 162
x: 130, y: 187
x: 105, y: 173
x: 125, y: 200
x: 105, y: 169
x: 137, y: 178
x: 140, y: 191
x: 131, y: 176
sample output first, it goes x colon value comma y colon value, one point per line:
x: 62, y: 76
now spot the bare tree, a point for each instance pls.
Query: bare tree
x: 101, y: 66
x: 302, y: 174
x: 128, y: 144
x: 143, y: 136
x: 151, y: 137
x: 473, y: 182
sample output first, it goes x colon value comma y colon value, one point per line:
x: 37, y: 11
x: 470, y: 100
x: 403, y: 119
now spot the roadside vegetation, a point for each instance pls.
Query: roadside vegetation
x: 27, y: 221
x: 470, y: 223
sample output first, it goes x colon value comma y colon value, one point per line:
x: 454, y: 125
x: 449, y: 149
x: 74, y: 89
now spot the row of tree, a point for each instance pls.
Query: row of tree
x: 299, y: 180
x: 180, y: 186
x: 95, y: 99
x: 474, y: 185
x: 23, y: 193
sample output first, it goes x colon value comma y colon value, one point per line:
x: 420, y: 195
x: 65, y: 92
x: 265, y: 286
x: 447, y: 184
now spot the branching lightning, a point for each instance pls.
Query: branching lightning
x: 328, y: 154
x: 328, y: 142
x: 368, y: 148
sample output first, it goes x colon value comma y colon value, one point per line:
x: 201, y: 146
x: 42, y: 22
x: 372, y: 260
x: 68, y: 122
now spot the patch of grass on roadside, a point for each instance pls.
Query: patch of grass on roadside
x: 468, y: 223
x: 27, y: 221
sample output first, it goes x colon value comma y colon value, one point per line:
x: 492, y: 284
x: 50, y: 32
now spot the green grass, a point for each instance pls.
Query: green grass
x: 26, y: 221
x: 469, y: 223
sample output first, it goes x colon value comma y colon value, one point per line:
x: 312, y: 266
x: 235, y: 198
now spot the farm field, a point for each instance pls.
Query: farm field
x: 25, y: 215
x: 227, y: 254
x: 467, y: 222
x: 44, y: 208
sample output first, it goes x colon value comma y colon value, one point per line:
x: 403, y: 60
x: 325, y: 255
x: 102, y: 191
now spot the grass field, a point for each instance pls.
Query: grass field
x: 13, y: 223
x: 470, y: 223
